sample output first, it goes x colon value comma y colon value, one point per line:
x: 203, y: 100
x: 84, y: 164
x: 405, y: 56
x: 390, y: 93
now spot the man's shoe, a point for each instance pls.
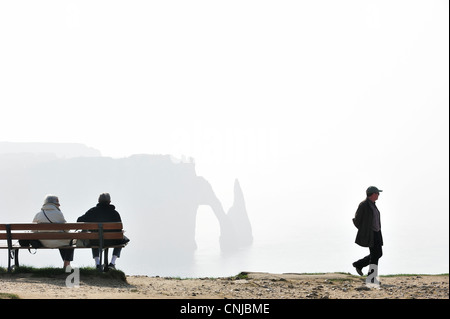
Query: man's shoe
x: 358, y: 270
x: 99, y: 267
x: 112, y: 266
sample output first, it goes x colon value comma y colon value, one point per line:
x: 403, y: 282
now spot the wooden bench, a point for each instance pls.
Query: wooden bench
x: 99, y: 232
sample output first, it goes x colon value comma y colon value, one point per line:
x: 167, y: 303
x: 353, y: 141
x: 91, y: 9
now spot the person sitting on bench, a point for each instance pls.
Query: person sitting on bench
x: 104, y: 212
x: 50, y: 213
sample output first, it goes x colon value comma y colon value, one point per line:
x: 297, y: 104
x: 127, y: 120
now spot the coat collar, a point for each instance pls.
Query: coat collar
x: 50, y: 206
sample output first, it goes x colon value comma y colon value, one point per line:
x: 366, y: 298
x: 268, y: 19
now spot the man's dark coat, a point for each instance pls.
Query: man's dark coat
x: 103, y: 212
x: 363, y: 221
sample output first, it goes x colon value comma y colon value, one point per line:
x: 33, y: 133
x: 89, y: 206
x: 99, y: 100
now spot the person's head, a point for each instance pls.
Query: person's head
x: 51, y: 199
x: 372, y: 193
x: 104, y: 198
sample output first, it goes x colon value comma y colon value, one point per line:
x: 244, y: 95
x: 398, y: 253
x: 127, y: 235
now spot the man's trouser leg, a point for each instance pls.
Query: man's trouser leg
x: 375, y: 253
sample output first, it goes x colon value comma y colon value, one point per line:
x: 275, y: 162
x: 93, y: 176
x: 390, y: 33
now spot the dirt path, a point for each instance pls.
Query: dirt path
x: 251, y: 286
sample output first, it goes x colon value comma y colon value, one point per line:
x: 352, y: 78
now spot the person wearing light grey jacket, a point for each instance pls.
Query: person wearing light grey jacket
x: 50, y: 213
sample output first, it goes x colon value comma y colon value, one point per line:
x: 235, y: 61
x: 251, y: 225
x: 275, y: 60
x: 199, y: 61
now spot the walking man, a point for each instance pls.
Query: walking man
x: 367, y: 220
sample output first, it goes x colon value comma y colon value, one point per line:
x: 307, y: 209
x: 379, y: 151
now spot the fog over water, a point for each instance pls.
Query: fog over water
x: 237, y: 135
x: 177, y: 224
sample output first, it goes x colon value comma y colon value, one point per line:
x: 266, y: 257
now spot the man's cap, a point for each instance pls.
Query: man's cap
x: 373, y: 189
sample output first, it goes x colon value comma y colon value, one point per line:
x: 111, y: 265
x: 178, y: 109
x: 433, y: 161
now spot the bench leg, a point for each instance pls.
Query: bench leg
x: 103, y: 258
x: 13, y: 254
x: 9, y: 260
x: 106, y: 257
x: 16, y: 257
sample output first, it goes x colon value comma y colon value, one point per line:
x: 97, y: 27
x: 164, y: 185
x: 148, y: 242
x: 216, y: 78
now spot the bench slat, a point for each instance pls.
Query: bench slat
x: 57, y: 226
x: 59, y: 235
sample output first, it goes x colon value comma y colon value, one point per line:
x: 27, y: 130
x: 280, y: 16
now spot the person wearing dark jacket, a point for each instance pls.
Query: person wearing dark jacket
x: 367, y: 220
x: 103, y: 212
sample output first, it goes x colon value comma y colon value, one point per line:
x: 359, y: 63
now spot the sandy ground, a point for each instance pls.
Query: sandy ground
x: 254, y: 286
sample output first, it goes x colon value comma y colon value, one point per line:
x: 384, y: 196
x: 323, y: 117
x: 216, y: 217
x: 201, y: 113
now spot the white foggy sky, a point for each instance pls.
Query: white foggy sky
x: 300, y: 100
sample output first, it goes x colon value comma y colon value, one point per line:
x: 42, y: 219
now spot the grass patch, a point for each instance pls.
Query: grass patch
x: 241, y: 275
x: 52, y: 272
x: 8, y: 296
x: 412, y: 275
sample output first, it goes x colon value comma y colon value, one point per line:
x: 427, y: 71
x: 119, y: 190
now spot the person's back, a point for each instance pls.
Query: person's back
x: 102, y: 213
x: 50, y: 213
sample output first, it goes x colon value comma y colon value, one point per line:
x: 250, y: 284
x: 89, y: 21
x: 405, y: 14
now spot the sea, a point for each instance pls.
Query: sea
x: 294, y: 251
